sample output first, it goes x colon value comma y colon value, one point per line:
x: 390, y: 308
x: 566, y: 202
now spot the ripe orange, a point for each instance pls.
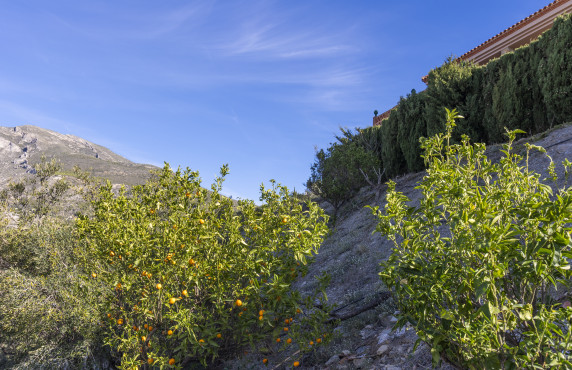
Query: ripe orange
x: 285, y: 329
x: 289, y: 340
x: 201, y: 221
x: 286, y: 321
x: 238, y: 302
x: 118, y: 286
x: 284, y: 220
x: 146, y: 326
x: 94, y: 275
x: 261, y: 312
x: 172, y: 361
x: 296, y: 364
x: 108, y: 315
x: 150, y: 328
x: 172, y: 300
x: 219, y: 335
x: 265, y: 361
x: 170, y: 332
x: 150, y: 361
x: 191, y: 262
x: 112, y: 253
x: 185, y: 293
x: 201, y: 342
x: 311, y: 342
x: 119, y: 321
x: 188, y: 195
x: 298, y: 310
x: 143, y: 338
x: 135, y: 328
x: 277, y: 340
x: 158, y: 286
x: 260, y: 317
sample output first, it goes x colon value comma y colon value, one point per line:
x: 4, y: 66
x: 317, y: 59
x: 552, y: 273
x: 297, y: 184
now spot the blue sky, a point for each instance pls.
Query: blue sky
x: 255, y: 84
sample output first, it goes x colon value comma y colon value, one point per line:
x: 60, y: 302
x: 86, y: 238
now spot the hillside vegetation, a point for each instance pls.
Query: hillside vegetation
x: 473, y: 251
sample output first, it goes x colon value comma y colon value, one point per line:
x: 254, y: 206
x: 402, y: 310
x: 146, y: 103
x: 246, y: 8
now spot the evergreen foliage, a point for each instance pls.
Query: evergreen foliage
x: 410, y: 127
x: 336, y: 175
x: 556, y: 71
x: 529, y: 89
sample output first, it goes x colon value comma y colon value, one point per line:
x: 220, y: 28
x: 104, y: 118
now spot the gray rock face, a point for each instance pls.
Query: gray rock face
x: 22, y: 147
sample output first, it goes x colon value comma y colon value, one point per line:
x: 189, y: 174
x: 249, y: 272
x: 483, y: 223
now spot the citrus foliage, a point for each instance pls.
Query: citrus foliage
x: 477, y: 262
x: 191, y: 276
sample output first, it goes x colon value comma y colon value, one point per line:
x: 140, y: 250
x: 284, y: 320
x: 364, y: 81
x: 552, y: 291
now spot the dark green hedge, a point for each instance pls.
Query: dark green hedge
x: 529, y: 89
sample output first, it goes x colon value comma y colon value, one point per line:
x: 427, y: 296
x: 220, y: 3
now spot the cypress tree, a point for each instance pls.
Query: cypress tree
x: 391, y: 154
x: 410, y: 127
x: 446, y: 87
x: 557, y: 71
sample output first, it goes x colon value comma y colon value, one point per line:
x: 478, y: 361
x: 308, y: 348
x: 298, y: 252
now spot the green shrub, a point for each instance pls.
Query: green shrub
x: 474, y: 262
x: 337, y: 172
x: 447, y: 86
x: 48, y: 316
x: 410, y: 127
x: 391, y: 155
x: 189, y: 276
x: 556, y: 71
x: 530, y: 88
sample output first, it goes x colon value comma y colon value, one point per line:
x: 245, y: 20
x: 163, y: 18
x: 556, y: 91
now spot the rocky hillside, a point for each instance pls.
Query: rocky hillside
x: 22, y: 147
x: 351, y: 256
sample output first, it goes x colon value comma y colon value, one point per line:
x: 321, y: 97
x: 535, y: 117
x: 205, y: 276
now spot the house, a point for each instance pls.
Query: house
x: 517, y: 35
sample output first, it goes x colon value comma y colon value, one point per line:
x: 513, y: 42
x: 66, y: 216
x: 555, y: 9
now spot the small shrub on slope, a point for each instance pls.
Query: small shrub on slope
x: 475, y: 261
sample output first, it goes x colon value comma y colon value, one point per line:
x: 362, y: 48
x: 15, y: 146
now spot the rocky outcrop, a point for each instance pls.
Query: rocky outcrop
x: 22, y: 147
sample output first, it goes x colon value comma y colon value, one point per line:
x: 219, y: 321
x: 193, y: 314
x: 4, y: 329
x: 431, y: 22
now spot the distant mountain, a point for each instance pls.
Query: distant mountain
x: 22, y: 147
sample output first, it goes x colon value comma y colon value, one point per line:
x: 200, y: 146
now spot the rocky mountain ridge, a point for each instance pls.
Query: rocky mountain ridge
x: 22, y: 147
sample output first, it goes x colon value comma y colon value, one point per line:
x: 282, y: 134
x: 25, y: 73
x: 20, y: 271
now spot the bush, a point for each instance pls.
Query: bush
x: 189, y: 276
x: 337, y: 173
x: 391, y: 154
x: 474, y: 262
x: 47, y: 317
x: 556, y: 71
x: 410, y: 127
x: 530, y: 88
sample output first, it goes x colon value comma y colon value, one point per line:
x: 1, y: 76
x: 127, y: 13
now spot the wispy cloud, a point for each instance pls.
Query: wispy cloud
x: 139, y: 24
x: 282, y: 35
x: 267, y: 41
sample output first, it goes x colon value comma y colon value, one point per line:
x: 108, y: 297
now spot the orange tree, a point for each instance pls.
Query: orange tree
x: 191, y: 275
